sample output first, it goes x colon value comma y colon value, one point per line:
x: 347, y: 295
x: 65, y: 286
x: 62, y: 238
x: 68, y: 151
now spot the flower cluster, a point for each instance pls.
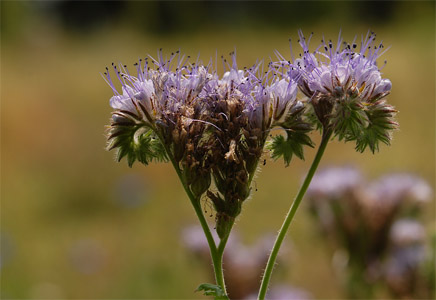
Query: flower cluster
x: 346, y: 89
x: 207, y: 126
x: 215, y: 128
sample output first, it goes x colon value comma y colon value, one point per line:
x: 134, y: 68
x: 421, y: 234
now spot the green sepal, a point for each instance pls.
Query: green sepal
x: 134, y: 140
x: 311, y: 118
x: 214, y: 290
x: 200, y: 184
x: 349, y: 119
x: 380, y: 126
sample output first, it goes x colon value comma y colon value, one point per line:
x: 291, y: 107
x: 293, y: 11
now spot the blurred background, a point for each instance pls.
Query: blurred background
x: 75, y: 224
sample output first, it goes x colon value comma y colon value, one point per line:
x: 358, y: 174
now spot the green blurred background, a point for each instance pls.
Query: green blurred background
x: 75, y: 224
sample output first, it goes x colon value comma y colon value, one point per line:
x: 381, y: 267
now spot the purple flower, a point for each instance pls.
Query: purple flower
x: 341, y: 70
x: 283, y: 93
x: 156, y: 90
x: 346, y: 89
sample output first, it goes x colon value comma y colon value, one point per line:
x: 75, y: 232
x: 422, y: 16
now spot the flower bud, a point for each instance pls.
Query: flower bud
x: 200, y: 184
x: 224, y: 224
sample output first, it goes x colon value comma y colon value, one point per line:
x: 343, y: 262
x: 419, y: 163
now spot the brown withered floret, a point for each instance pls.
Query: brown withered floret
x: 235, y: 151
x: 184, y: 132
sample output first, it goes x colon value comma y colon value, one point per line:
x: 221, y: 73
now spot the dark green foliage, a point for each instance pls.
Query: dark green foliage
x: 212, y: 290
x: 135, y: 141
x: 289, y: 146
x: 297, y: 129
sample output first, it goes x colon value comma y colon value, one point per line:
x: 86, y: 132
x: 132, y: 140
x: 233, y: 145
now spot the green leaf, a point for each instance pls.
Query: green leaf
x: 212, y: 290
x: 292, y: 145
x: 297, y: 127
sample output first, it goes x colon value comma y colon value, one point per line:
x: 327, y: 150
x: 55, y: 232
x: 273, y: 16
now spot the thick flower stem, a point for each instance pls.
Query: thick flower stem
x: 289, y: 217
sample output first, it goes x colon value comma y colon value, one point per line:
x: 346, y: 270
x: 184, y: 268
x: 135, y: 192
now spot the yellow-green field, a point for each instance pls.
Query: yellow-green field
x: 60, y: 188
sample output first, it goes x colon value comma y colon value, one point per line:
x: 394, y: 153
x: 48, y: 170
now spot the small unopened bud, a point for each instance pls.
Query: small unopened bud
x: 251, y: 163
x: 200, y: 184
x: 323, y: 109
x: 244, y: 191
x: 224, y: 224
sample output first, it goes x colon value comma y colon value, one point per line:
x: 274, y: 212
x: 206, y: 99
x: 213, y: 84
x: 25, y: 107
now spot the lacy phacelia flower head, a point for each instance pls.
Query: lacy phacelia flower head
x: 341, y: 72
x: 346, y: 89
x: 159, y: 115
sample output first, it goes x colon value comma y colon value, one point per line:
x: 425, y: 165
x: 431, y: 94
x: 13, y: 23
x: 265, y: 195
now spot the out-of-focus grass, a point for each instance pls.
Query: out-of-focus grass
x: 59, y: 185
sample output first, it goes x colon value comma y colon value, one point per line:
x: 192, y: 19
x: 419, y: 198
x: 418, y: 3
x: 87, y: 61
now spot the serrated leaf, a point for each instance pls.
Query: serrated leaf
x: 289, y: 146
x: 210, y: 289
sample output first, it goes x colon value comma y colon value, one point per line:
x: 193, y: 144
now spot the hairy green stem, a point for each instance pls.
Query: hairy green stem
x: 220, y: 253
x: 291, y: 213
x: 215, y: 253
